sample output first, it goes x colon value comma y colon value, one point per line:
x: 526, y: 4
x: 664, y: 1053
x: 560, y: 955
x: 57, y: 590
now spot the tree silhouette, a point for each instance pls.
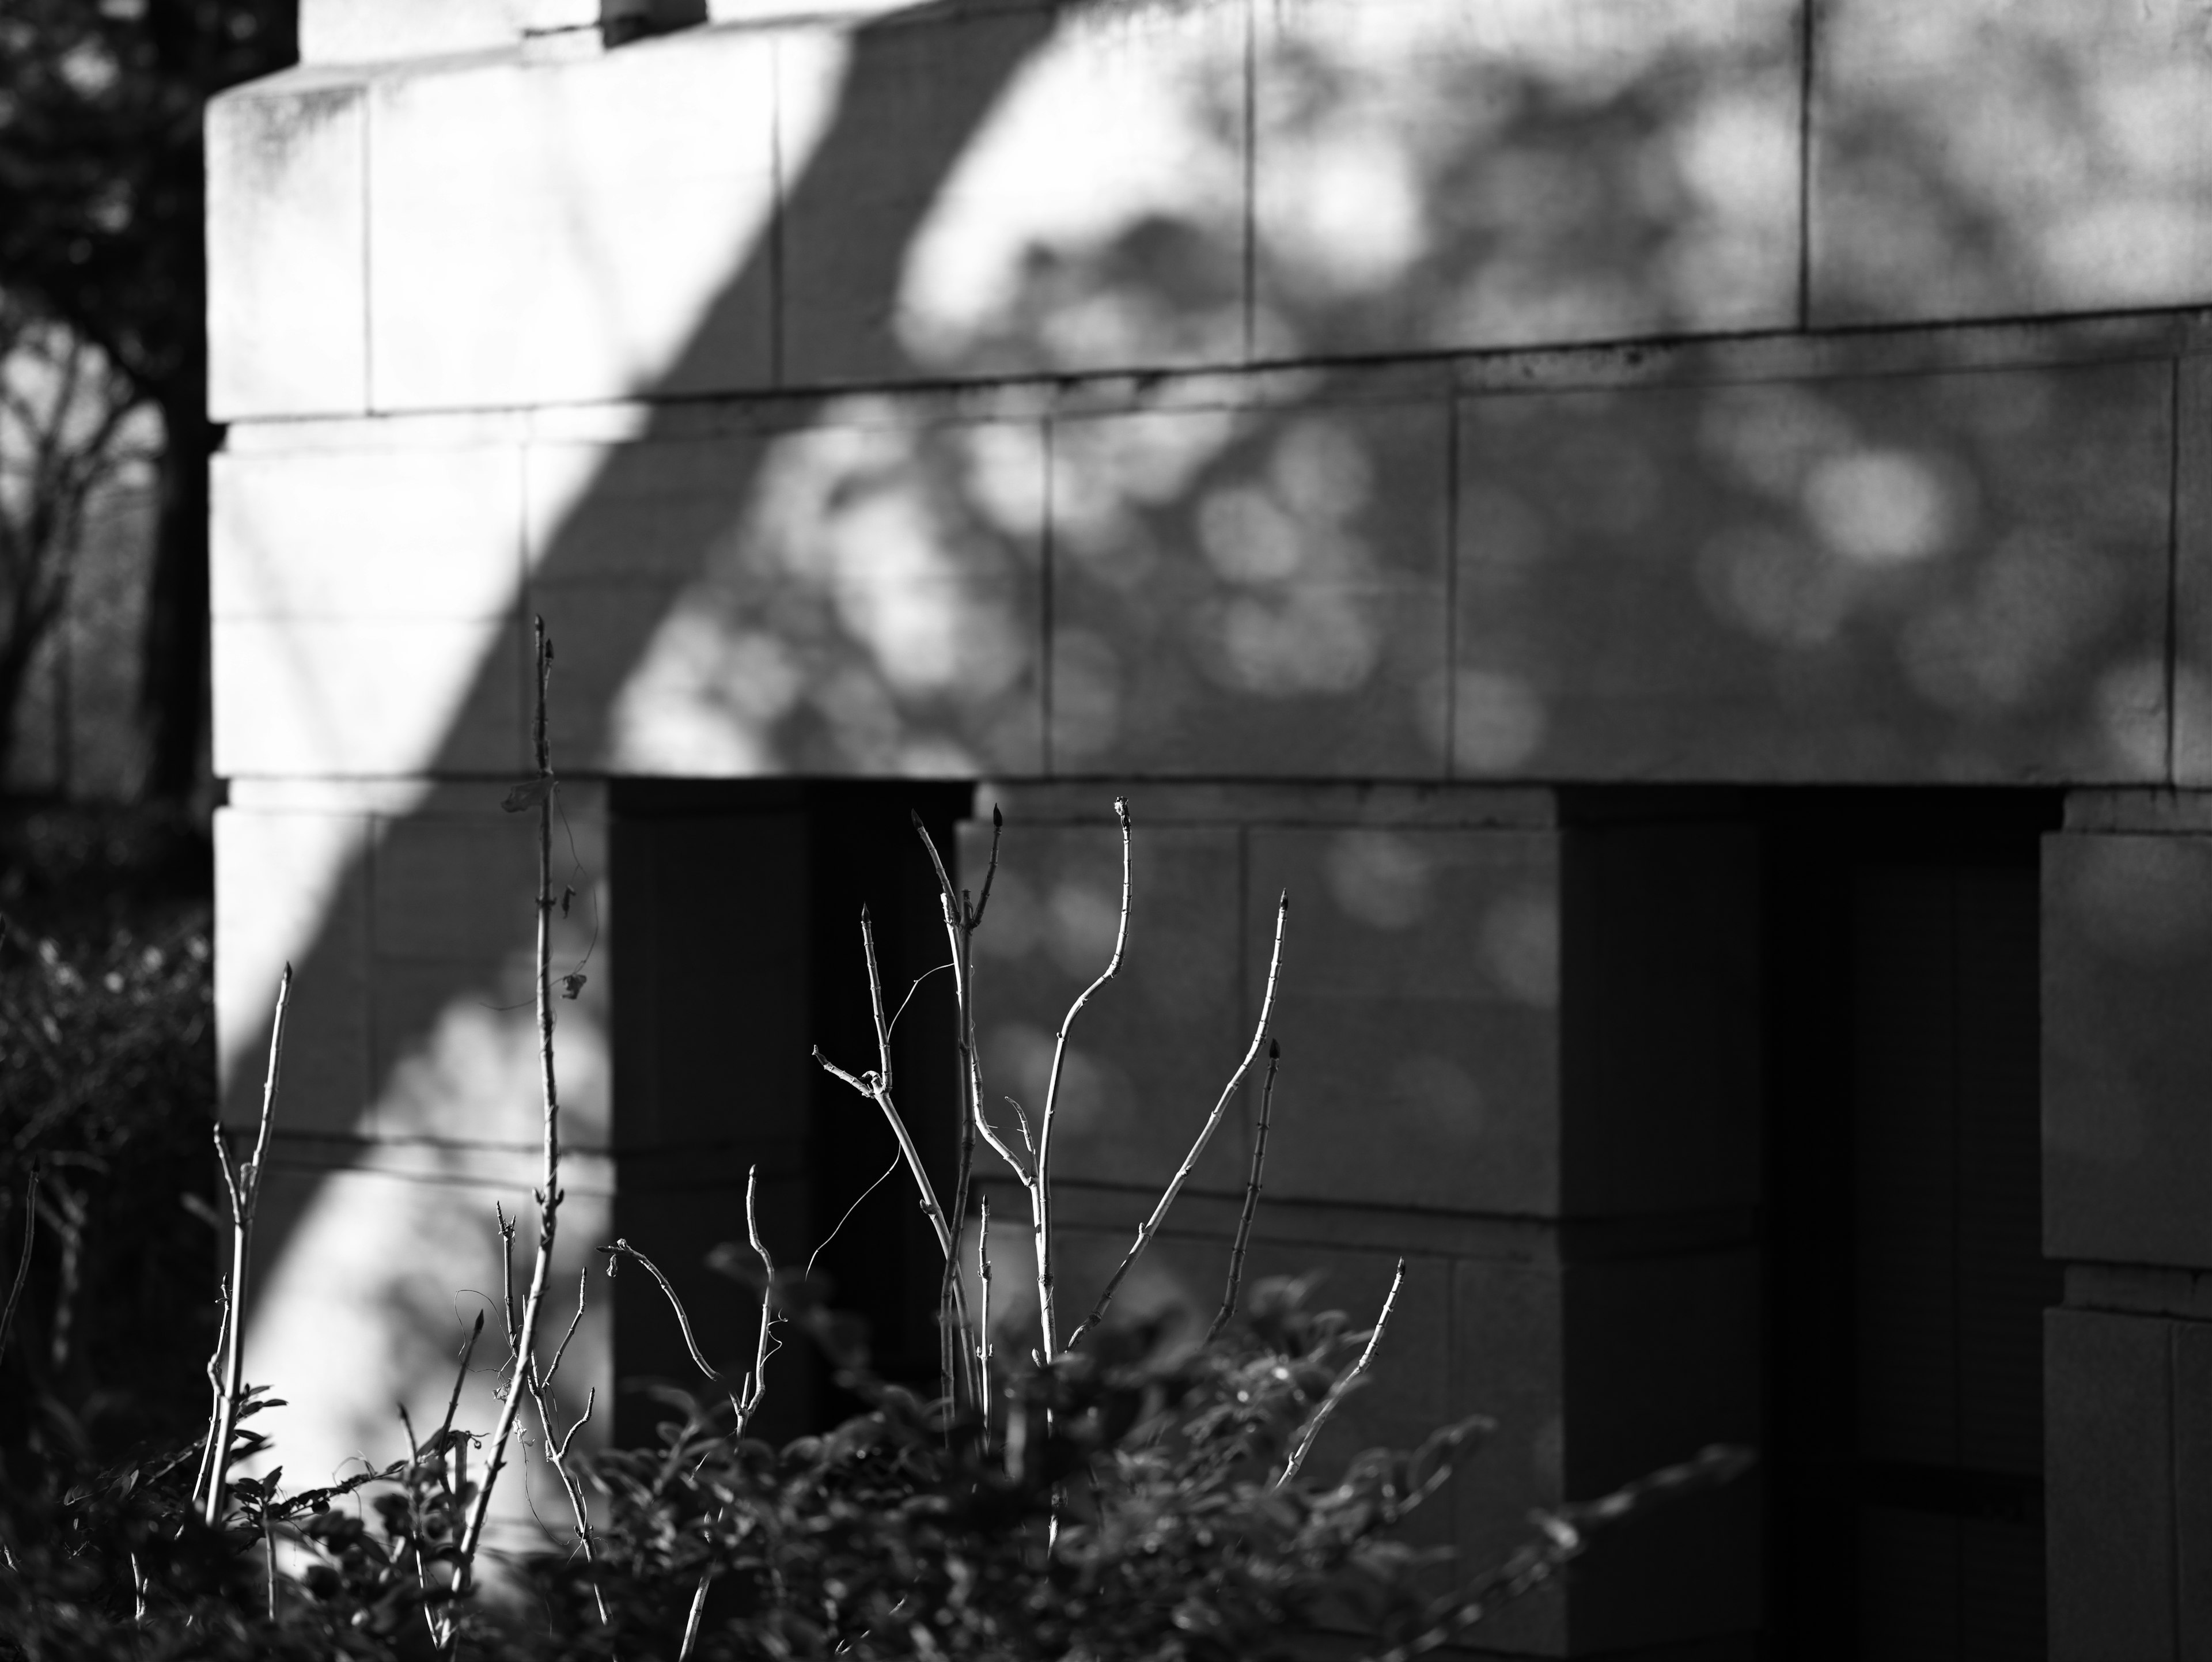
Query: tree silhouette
x: 101, y: 209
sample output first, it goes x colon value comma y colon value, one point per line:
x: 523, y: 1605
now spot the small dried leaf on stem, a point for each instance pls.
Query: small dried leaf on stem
x: 1344, y: 1382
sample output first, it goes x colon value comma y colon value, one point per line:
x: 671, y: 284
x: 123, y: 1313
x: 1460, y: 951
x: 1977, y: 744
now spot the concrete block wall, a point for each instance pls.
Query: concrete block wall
x: 1502, y: 1058
x: 1326, y: 414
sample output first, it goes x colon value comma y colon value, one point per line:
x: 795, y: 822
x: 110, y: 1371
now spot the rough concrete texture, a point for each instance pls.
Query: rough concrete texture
x: 516, y: 257
x: 294, y: 889
x: 2109, y: 1485
x: 2127, y: 1057
x: 1994, y: 159
x: 287, y: 251
x: 845, y: 599
x: 1941, y: 578
x: 1010, y: 191
x: 1418, y: 1015
x: 380, y: 698
x: 1250, y: 594
x: 1436, y: 175
x: 427, y: 533
x: 1075, y: 193
x: 2192, y: 577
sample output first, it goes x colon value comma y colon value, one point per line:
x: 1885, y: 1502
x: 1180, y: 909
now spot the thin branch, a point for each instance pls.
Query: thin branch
x: 507, y: 1273
x: 991, y: 871
x: 1251, y: 1197
x: 912, y: 990
x: 22, y: 1264
x: 872, y: 1086
x: 624, y: 1249
x: 983, y: 1317
x: 876, y: 1001
x: 1041, y: 1185
x: 545, y: 1379
x: 245, y: 1192
x: 757, y: 1387
x: 1344, y: 1384
x: 556, y: 1446
x: 460, y: 1378
x: 541, y: 788
x: 1151, y: 1225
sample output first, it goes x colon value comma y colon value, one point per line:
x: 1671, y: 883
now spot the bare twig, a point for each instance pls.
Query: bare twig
x: 983, y: 1315
x: 507, y: 1273
x: 756, y: 1386
x: 539, y: 792
x: 1344, y: 1384
x: 1151, y: 1225
x: 876, y: 1086
x: 1251, y: 1197
x: 557, y: 1444
x: 1041, y: 1177
x: 623, y: 1249
x: 243, y: 1187
x: 691, y: 1620
x: 460, y: 1378
x: 23, y: 1263
x: 871, y: 1086
x: 960, y: 922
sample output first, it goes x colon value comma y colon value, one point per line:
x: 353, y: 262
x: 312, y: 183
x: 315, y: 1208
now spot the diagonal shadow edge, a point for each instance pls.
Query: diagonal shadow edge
x: 872, y: 251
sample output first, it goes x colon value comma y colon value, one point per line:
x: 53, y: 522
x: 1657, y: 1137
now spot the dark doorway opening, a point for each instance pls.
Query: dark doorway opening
x: 737, y: 950
x: 1907, y: 1280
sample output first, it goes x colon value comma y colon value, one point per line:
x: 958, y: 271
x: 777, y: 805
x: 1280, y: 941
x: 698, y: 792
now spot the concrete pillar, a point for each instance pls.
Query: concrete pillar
x: 1518, y: 1050
x: 2127, y: 1070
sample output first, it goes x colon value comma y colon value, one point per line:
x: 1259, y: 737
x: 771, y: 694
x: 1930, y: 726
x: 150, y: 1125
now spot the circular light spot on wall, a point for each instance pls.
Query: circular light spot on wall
x: 1880, y: 507
x: 1497, y: 721
x: 1378, y: 877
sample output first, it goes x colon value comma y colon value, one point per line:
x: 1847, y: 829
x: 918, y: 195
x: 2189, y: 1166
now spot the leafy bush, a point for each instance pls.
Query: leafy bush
x: 106, y: 1084
x: 1109, y: 1498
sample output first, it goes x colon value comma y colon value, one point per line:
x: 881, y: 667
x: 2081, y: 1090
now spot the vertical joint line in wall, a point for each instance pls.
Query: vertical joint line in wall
x: 368, y: 250
x: 2177, y: 414
x: 1451, y: 586
x: 2173, y: 1480
x: 1806, y: 9
x: 1045, y: 437
x: 777, y: 197
x: 1251, y: 207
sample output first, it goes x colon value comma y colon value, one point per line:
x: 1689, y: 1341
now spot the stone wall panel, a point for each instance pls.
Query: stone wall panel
x: 1249, y: 594
x: 287, y: 250
x: 1429, y: 174
x: 1992, y: 159
x: 1938, y: 579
